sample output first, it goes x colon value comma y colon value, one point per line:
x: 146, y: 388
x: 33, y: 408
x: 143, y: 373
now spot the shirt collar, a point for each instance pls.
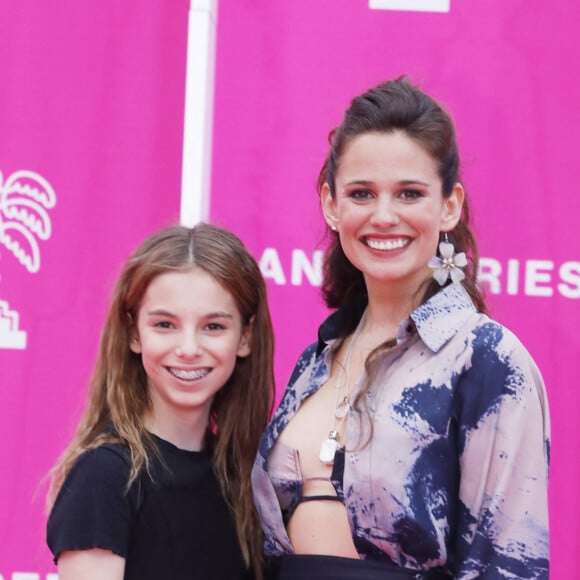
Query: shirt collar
x: 439, y: 319
x: 333, y: 326
x: 436, y: 321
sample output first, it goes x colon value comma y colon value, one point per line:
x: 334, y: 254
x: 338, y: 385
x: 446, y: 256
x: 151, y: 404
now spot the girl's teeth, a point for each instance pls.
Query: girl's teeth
x: 188, y: 375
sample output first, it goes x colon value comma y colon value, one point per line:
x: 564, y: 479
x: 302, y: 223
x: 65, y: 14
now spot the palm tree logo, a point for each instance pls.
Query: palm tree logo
x: 25, y: 200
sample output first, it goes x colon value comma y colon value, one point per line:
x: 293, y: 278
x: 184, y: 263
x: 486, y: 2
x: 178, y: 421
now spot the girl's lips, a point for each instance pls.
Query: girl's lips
x: 191, y: 375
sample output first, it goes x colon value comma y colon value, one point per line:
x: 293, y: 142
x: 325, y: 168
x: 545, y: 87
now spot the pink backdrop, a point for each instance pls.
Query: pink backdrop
x: 92, y: 105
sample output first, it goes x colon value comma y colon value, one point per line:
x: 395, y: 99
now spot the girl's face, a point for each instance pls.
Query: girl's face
x: 189, y: 333
x: 389, y: 209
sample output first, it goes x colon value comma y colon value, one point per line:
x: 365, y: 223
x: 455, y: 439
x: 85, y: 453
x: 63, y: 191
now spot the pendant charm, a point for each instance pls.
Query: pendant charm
x: 328, y: 448
x: 342, y: 408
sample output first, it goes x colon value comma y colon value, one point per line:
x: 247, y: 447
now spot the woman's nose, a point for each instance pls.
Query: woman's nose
x: 384, y: 211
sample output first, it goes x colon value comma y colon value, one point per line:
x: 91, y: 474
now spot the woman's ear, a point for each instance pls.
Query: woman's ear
x: 328, y: 204
x: 452, y: 207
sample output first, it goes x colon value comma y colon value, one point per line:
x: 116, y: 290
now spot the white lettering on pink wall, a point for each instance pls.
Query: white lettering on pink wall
x: 541, y: 278
x: 514, y: 277
x: 412, y: 5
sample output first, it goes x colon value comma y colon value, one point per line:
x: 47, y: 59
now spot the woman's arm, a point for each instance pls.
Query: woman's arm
x: 504, y: 456
x: 92, y: 564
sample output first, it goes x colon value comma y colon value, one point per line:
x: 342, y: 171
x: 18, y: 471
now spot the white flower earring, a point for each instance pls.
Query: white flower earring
x: 449, y: 265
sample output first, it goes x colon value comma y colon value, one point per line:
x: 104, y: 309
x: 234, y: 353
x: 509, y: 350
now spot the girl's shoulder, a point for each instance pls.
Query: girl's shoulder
x: 114, y: 455
x: 108, y: 463
x: 93, y: 495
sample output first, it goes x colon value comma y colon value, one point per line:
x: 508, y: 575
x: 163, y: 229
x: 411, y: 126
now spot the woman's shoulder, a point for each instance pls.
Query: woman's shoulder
x: 499, y: 358
x: 491, y: 335
x: 304, y: 360
x: 308, y: 352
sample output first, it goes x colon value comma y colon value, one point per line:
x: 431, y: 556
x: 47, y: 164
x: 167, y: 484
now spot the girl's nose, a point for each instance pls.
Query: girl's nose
x: 188, y: 346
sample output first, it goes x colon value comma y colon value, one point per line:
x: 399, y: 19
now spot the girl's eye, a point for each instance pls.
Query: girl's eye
x: 361, y: 194
x: 411, y: 194
x: 214, y: 326
x: 163, y: 324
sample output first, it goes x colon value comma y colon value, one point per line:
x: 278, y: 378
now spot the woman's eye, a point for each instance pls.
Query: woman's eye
x: 215, y: 326
x: 163, y: 324
x: 360, y: 194
x: 411, y: 194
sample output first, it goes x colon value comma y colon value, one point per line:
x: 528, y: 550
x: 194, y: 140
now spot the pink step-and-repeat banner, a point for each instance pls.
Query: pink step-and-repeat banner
x: 91, y: 127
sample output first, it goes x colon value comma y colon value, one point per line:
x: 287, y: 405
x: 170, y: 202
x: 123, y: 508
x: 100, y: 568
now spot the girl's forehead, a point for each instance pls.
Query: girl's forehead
x: 194, y: 290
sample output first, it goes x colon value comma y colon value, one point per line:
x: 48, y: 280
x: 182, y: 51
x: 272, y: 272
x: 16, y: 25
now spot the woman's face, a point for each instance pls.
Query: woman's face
x: 389, y: 209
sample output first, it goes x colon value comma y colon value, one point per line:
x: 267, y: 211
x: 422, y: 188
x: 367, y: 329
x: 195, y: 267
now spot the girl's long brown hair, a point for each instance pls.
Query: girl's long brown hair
x: 118, y: 397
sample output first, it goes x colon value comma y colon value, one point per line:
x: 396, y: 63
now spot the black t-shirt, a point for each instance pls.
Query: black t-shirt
x: 174, y: 525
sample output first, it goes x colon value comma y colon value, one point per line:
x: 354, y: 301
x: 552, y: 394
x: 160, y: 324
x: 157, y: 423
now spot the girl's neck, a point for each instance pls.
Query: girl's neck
x: 185, y: 432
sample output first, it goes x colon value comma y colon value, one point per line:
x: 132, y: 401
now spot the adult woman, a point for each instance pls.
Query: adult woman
x: 156, y: 482
x: 412, y: 439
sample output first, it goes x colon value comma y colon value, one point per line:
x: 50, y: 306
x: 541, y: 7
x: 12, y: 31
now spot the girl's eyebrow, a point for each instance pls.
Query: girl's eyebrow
x: 160, y: 312
x: 219, y: 314
x: 216, y: 314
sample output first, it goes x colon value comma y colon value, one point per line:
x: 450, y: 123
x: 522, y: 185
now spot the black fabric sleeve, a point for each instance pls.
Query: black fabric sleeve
x: 92, y: 509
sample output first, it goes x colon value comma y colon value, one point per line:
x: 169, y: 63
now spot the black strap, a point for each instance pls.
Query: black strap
x: 319, y: 497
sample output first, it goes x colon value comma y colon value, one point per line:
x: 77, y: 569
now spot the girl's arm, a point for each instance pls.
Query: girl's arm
x: 92, y: 564
x: 93, y: 512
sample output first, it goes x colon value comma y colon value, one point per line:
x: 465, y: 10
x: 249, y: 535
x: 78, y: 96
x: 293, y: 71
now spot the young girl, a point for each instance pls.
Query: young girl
x: 156, y: 482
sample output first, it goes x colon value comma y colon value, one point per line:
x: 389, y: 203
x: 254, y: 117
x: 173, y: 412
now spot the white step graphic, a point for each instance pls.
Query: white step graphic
x: 26, y: 199
x: 10, y: 335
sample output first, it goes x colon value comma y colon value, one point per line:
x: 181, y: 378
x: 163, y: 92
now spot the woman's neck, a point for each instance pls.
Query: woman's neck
x: 389, y: 306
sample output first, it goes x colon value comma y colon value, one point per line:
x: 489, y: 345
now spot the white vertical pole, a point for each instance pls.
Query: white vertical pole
x: 199, y: 92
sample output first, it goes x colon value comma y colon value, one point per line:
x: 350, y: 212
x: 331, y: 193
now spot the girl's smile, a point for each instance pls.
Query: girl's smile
x: 189, y: 334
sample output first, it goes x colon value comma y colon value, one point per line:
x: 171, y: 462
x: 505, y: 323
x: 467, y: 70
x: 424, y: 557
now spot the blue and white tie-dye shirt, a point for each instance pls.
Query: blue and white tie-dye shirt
x: 455, y: 475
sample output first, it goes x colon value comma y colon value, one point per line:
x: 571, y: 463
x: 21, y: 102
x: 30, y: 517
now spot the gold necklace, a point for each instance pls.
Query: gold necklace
x: 341, y: 407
